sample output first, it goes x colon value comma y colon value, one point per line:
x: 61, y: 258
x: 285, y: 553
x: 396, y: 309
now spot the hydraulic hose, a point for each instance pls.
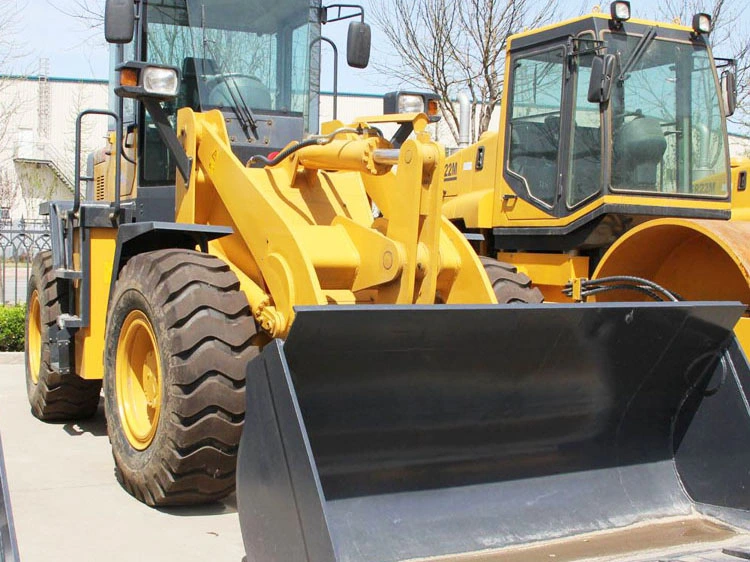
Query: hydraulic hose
x: 624, y: 283
x: 314, y: 140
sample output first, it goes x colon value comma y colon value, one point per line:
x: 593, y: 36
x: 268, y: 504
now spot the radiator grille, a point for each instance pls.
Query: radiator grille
x: 99, y: 195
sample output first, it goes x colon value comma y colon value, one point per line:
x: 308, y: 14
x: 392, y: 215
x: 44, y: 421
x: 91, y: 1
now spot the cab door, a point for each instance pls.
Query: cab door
x: 534, y: 139
x: 554, y: 141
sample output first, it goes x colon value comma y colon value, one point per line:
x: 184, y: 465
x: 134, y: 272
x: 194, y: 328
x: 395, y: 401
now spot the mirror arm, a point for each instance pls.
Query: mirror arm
x: 324, y: 13
x: 169, y: 136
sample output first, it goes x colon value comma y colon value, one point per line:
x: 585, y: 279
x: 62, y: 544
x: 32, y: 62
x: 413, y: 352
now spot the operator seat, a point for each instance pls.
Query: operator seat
x: 639, y: 147
x: 252, y: 89
x: 194, y: 73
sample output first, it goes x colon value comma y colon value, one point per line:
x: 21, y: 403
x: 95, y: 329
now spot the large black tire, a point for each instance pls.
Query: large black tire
x: 510, y: 286
x: 202, y: 325
x: 52, y: 396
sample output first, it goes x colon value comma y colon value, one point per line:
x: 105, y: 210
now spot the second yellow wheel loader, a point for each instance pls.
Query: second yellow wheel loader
x: 394, y: 410
x: 611, y: 161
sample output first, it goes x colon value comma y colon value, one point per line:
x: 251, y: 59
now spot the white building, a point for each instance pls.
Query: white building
x: 37, y: 138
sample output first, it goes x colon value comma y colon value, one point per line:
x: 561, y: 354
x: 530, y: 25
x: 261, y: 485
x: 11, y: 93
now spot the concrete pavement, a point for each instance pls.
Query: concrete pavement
x: 68, y: 506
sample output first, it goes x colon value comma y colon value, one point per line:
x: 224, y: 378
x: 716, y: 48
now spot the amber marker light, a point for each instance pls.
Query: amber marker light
x: 128, y: 77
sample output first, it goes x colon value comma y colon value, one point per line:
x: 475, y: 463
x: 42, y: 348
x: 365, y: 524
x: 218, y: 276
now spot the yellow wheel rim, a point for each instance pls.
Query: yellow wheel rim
x: 35, y: 336
x: 138, y: 380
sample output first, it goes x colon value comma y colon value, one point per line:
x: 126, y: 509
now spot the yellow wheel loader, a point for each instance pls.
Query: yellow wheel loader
x: 611, y: 161
x: 251, y: 316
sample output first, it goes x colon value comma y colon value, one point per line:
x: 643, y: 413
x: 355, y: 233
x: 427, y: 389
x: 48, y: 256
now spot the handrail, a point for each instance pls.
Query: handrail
x: 116, y: 156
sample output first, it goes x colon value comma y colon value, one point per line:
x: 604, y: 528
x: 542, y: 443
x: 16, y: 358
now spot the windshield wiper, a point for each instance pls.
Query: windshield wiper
x: 241, y: 109
x: 638, y: 52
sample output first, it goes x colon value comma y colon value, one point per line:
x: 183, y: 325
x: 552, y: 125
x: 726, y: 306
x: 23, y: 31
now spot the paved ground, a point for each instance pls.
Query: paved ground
x: 68, y: 506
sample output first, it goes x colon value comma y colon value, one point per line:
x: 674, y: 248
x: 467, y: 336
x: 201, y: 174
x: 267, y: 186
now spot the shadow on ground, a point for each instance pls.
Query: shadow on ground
x: 227, y: 505
x: 96, y: 425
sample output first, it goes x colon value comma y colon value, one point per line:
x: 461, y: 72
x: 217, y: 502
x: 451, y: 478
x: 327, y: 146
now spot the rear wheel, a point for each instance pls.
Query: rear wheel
x: 52, y: 396
x: 177, y: 345
x: 510, y: 286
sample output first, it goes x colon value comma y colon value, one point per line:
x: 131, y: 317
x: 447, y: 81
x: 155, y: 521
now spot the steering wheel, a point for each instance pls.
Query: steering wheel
x: 251, y: 88
x: 637, y: 114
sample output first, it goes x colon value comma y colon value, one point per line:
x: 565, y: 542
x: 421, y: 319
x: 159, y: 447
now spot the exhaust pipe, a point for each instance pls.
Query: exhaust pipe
x: 464, y: 125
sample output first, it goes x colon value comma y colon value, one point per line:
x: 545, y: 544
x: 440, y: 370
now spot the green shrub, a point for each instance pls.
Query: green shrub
x: 12, y: 323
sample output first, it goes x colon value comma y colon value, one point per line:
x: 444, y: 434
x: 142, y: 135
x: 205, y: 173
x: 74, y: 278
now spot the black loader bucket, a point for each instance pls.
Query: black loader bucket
x: 8, y: 544
x: 379, y: 434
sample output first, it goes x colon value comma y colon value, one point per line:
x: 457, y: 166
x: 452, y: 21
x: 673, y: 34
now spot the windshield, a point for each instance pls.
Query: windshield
x: 235, y: 52
x: 668, y: 135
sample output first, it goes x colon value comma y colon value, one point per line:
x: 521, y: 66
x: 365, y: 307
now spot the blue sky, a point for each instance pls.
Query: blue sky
x: 44, y: 30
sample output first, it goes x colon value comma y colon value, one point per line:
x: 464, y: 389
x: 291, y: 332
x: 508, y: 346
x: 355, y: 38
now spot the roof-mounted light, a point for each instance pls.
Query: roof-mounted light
x: 620, y: 11
x: 702, y: 24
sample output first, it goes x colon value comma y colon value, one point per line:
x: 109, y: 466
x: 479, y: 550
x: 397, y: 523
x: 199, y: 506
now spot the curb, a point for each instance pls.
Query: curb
x: 11, y: 358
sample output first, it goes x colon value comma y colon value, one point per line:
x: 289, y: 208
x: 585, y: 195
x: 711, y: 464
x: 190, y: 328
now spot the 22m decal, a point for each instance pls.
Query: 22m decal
x: 451, y: 171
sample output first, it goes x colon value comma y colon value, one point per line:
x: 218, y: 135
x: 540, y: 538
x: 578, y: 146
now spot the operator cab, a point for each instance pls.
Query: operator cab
x: 256, y: 62
x: 251, y: 60
x: 611, y: 118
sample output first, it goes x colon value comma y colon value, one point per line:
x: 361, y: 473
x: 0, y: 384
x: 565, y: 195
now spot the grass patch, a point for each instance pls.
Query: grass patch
x: 12, y: 325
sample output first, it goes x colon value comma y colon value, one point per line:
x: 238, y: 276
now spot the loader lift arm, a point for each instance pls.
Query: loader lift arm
x: 321, y: 245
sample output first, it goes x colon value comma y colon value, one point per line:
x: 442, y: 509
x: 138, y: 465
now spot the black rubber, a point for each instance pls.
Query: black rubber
x: 56, y: 397
x: 510, y: 286
x: 203, y: 326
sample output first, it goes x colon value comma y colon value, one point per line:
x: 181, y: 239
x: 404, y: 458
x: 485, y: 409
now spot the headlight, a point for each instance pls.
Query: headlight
x: 702, y: 23
x: 412, y: 102
x: 143, y: 80
x: 160, y: 81
x: 620, y: 11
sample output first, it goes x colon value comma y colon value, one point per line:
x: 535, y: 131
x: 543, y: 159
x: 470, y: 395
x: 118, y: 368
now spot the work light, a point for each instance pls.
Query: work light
x: 701, y: 23
x: 620, y: 11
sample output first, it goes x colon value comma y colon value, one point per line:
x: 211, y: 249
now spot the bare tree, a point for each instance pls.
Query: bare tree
x: 727, y: 39
x: 11, y: 53
x: 89, y: 12
x: 450, y: 46
x: 9, y: 191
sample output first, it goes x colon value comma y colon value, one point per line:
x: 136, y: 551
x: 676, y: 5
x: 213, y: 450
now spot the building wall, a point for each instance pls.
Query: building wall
x: 36, y: 162
x: 739, y: 146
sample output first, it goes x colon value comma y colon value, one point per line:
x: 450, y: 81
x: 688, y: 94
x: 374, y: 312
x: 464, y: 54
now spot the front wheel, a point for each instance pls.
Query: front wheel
x: 177, y: 345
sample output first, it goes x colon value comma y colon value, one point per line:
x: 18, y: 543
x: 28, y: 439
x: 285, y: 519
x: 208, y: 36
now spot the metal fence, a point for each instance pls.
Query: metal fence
x: 20, y: 241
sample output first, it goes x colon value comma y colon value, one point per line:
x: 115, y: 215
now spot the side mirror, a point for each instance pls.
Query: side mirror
x: 602, y: 77
x: 119, y: 21
x: 729, y: 91
x: 358, y: 45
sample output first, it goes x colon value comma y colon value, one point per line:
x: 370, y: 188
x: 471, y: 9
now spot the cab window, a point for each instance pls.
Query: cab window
x: 585, y: 156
